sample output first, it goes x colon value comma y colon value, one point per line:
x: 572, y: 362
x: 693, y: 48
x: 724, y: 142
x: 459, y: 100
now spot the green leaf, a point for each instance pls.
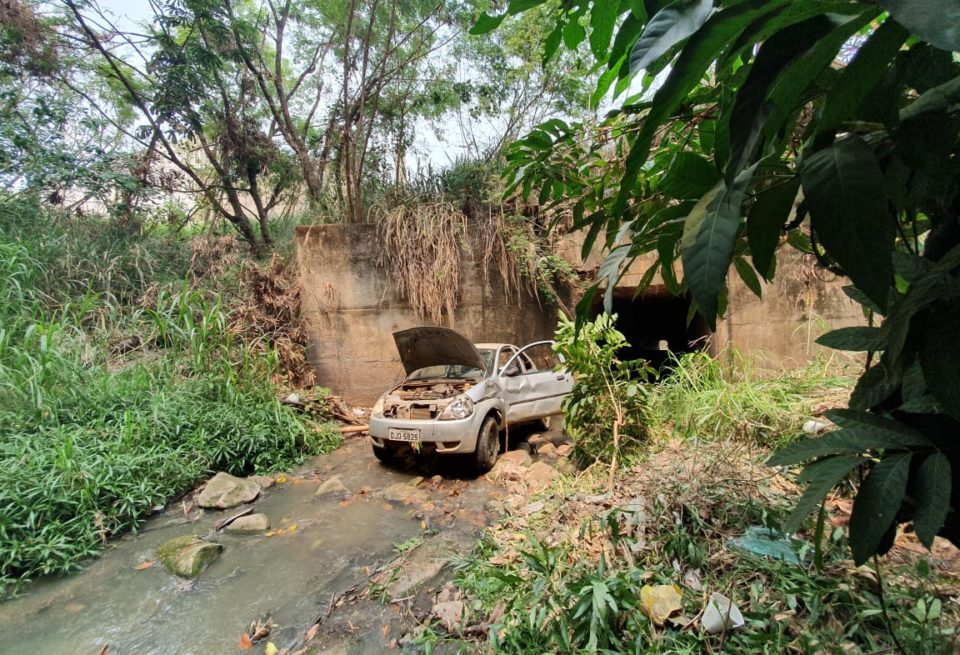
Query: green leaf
x: 610, y: 271
x: 935, y: 21
x: 843, y: 186
x: 822, y: 476
x: 940, y: 353
x: 876, y: 385
x: 708, y: 239
x: 856, y: 339
x: 792, y: 88
x: 667, y: 28
x: 688, y: 69
x: 859, y: 78
x: 517, y: 6
x: 750, y: 111
x: 603, y: 18
x: 839, y: 442
x: 765, y: 223
x: 934, y: 484
x: 573, y: 34
x: 604, y: 82
x: 876, y: 505
x: 689, y: 177
x: 861, y: 298
x: 891, y: 428
x: 486, y: 23
x: 627, y: 35
x: 747, y: 274
x: 552, y: 43
x: 933, y: 101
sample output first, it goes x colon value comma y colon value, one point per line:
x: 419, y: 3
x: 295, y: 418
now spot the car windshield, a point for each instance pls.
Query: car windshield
x: 455, y: 371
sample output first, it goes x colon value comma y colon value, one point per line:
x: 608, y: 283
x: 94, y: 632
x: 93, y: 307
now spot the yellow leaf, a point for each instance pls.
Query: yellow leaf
x: 661, y: 601
x: 270, y: 649
x: 280, y: 479
x: 143, y: 566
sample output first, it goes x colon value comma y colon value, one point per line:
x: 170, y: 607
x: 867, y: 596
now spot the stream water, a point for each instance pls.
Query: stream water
x: 291, y: 576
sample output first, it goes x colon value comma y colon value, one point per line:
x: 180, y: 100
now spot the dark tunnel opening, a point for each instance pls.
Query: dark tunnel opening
x: 654, y: 321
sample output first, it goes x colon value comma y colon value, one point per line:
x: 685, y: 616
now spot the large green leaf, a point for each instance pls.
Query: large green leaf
x: 933, y: 101
x: 876, y: 505
x: 667, y: 28
x: 936, y: 21
x: 839, y: 442
x: 934, y: 484
x: 940, y: 353
x: 689, y: 177
x: 750, y: 111
x: 486, y: 23
x: 748, y: 275
x: 843, y: 186
x: 765, y: 222
x: 859, y: 78
x: 699, y: 52
x: 708, y: 240
x: 822, y: 476
x: 603, y: 18
x: 850, y: 418
x: 856, y: 339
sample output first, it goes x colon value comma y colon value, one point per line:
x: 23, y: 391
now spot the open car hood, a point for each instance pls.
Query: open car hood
x: 421, y: 347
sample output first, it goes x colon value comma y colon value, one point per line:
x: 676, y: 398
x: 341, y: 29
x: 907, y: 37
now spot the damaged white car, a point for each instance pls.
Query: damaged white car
x: 458, y: 397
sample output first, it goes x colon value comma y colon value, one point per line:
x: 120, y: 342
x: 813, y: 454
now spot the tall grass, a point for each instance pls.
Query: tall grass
x: 89, y: 443
x: 708, y: 398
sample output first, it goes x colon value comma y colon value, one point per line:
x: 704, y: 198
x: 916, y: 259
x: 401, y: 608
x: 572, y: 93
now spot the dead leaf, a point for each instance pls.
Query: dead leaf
x: 271, y: 649
x: 312, y: 632
x: 103, y: 651
x: 280, y: 479
x: 384, y: 631
x: 143, y: 566
x: 245, y: 643
x: 387, y: 507
x: 659, y: 602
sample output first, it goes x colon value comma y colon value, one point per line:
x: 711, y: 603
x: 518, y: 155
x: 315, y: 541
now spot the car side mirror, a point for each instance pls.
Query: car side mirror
x: 511, y: 371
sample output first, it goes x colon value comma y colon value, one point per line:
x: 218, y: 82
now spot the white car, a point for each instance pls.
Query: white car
x: 458, y: 397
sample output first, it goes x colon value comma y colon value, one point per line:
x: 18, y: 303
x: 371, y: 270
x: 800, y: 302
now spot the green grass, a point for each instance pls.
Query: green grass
x: 706, y: 398
x: 91, y: 443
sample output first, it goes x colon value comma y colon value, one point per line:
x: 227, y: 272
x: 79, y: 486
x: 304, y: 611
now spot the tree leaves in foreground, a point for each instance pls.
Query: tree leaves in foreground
x: 829, y: 125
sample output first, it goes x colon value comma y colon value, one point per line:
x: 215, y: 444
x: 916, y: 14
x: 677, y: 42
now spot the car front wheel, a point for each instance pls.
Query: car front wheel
x: 386, y: 455
x: 488, y: 444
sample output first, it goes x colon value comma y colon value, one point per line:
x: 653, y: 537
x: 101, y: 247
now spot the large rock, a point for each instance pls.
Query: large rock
x: 540, y: 475
x: 187, y: 556
x: 520, y: 457
x: 564, y: 450
x: 224, y: 491
x: 547, y: 450
x: 450, y: 614
x: 332, y: 486
x: 264, y: 481
x: 505, y: 470
x: 401, y: 492
x: 250, y: 523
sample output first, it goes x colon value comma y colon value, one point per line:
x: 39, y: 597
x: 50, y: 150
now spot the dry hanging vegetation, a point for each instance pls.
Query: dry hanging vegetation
x: 421, y: 245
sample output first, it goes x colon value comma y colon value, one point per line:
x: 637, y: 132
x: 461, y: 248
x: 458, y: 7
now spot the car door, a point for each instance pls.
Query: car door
x: 532, y: 386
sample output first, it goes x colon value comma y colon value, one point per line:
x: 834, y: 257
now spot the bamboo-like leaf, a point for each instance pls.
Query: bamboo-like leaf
x: 933, y: 497
x: 822, y: 476
x: 935, y: 21
x: 603, y: 18
x: 667, y: 28
x: 856, y: 339
x: 708, y: 239
x: 765, y: 223
x: 876, y: 505
x: 844, y: 189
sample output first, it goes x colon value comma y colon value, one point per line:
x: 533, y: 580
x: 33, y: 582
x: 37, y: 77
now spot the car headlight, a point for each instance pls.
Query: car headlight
x: 461, y: 407
x: 377, y: 409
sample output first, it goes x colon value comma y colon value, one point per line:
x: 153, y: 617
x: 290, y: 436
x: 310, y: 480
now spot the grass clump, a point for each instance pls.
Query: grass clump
x: 569, y: 577
x: 706, y: 398
x: 92, y: 441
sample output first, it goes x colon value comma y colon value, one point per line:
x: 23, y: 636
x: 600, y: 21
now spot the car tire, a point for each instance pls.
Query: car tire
x: 488, y: 445
x: 385, y: 455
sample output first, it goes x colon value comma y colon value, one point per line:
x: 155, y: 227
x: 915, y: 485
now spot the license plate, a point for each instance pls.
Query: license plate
x: 396, y: 434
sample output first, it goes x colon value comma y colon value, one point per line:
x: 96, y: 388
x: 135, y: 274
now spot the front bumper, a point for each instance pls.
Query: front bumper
x: 451, y: 437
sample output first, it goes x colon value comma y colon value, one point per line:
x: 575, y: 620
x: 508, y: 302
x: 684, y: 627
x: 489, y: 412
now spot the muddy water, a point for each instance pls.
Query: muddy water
x: 291, y: 576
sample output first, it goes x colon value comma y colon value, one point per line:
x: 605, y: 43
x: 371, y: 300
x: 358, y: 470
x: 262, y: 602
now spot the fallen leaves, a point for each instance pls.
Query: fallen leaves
x: 660, y: 602
x: 290, y: 529
x: 245, y: 642
x: 143, y: 566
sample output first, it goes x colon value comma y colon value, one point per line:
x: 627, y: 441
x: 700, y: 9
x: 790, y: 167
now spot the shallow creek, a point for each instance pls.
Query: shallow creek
x: 320, y: 547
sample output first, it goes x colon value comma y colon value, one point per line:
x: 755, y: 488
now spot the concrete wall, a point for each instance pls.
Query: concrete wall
x: 352, y: 310
x: 802, y: 303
